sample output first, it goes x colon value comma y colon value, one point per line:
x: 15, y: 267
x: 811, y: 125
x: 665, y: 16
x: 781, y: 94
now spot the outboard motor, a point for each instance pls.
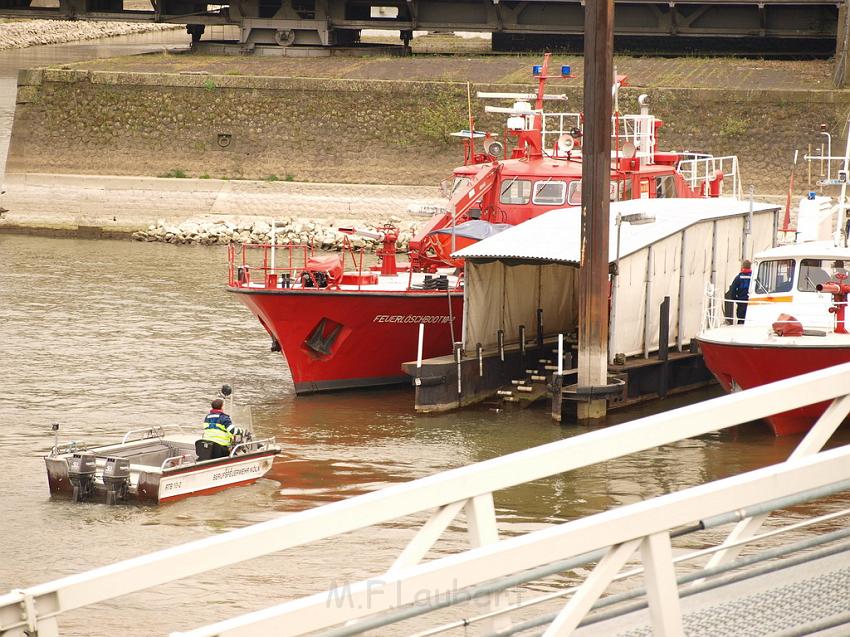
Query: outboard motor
x: 116, y: 479
x: 81, y: 469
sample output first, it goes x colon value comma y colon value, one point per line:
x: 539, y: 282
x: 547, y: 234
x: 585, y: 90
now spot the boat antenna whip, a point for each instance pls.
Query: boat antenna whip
x: 786, y: 222
x: 469, y: 111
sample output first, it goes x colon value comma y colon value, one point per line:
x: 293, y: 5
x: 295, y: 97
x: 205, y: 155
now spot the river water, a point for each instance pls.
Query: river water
x: 105, y: 336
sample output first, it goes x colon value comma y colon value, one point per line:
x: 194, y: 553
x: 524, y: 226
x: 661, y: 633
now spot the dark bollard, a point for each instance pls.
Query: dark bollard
x: 663, y: 346
x: 540, y: 329
x: 664, y: 330
x: 458, y: 358
x: 500, y: 336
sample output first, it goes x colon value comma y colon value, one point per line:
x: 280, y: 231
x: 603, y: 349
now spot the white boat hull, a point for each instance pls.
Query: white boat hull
x: 158, y: 468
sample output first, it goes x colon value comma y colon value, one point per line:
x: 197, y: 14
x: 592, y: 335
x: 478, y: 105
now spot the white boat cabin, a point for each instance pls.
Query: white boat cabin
x: 785, y: 280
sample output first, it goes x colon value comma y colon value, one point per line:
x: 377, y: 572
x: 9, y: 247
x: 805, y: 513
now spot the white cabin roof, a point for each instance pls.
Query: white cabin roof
x: 806, y: 250
x: 556, y: 235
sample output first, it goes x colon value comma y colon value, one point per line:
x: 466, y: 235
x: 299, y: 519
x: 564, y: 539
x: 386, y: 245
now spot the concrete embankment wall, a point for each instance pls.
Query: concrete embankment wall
x: 356, y: 131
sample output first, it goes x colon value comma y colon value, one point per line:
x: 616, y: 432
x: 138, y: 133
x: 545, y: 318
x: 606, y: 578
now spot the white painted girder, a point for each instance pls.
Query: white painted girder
x: 810, y: 445
x: 427, y: 536
x: 662, y: 592
x: 618, y: 526
x: 582, y: 601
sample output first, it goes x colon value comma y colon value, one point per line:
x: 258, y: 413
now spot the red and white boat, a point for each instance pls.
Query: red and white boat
x: 341, y: 325
x: 795, y: 320
x: 153, y: 466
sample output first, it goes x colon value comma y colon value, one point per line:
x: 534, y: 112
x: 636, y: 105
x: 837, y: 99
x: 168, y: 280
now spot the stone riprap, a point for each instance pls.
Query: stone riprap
x: 61, y: 205
x: 19, y: 35
x: 321, y: 236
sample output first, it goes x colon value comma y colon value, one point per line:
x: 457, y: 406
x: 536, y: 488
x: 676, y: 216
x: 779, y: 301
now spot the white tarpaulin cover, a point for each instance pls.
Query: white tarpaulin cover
x: 535, y: 265
x: 507, y: 296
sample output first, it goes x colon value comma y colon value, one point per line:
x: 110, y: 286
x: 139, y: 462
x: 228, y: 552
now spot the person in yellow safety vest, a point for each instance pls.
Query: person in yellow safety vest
x: 219, y: 429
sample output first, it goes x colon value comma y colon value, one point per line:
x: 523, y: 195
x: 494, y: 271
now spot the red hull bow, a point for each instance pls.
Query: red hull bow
x: 335, y: 339
x: 746, y: 366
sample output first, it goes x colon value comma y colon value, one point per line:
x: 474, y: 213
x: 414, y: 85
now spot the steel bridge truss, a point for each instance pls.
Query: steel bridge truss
x: 339, y: 22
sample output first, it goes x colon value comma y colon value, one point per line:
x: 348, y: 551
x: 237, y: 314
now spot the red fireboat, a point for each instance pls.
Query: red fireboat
x: 342, y: 325
x: 795, y: 324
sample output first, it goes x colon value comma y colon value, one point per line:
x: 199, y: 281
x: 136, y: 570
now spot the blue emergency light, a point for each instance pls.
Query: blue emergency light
x: 536, y: 70
x: 565, y: 70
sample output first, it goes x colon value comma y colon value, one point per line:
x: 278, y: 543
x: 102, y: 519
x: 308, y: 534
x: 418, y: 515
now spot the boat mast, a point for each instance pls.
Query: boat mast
x: 840, y: 231
x: 541, y: 92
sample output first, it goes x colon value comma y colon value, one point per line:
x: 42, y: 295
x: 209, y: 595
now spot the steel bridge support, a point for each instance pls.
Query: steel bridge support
x: 803, y: 24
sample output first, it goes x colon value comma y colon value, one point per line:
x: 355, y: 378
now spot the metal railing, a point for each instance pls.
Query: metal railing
x: 700, y: 170
x: 556, y: 124
x: 638, y: 130
x: 178, y: 461
x: 287, y: 259
x: 251, y: 445
x: 491, y: 565
x: 134, y: 435
x: 813, y: 314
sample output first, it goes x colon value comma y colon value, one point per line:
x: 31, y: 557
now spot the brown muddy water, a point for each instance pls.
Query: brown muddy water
x: 105, y: 336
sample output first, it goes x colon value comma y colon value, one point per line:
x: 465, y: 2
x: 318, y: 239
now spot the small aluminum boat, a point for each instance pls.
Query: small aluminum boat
x: 150, y: 466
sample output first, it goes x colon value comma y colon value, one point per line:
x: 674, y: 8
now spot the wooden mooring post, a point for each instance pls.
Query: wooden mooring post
x: 595, y: 210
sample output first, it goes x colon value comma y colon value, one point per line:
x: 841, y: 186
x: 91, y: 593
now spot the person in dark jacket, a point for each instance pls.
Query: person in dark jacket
x: 219, y: 429
x: 738, y: 294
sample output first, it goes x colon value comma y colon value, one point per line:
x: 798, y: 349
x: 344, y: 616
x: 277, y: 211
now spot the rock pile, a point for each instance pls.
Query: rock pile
x: 323, y: 235
x: 18, y: 35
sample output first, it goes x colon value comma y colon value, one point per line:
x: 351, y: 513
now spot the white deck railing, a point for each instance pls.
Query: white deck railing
x: 812, y: 313
x: 612, y: 535
x: 638, y: 130
x: 699, y: 170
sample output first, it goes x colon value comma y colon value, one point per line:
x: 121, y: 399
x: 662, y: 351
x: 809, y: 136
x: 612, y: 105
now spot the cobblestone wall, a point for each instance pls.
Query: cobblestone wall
x: 356, y: 131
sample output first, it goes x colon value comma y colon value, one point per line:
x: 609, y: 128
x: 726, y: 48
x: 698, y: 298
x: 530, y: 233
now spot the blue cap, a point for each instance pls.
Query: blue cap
x: 536, y: 69
x: 565, y: 70
x: 810, y: 195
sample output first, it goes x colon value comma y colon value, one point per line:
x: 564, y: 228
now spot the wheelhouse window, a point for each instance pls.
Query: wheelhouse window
x: 459, y: 184
x: 550, y: 193
x: 774, y: 276
x: 812, y: 273
x: 574, y: 193
x: 665, y: 187
x: 645, y: 188
x: 620, y: 190
x: 515, y: 191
